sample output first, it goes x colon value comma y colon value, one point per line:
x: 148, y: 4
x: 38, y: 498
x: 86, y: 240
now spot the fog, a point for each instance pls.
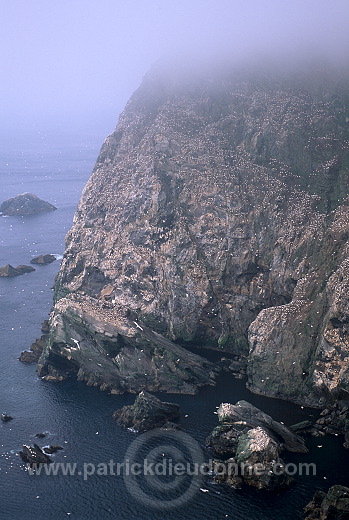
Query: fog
x: 70, y: 66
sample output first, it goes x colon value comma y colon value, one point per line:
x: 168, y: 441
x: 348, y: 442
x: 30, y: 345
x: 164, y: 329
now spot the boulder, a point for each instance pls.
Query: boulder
x: 25, y: 204
x: 331, y: 506
x: 43, y: 259
x: 146, y: 413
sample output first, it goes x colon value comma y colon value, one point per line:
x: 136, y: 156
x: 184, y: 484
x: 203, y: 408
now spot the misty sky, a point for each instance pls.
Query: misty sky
x: 74, y: 63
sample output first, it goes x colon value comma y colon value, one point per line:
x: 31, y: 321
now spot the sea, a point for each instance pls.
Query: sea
x: 79, y: 418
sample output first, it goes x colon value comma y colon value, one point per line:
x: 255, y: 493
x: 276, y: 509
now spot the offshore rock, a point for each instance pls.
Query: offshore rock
x: 251, y: 454
x: 6, y: 418
x: 217, y: 215
x: 245, y: 413
x: 258, y: 454
x: 8, y: 271
x: 25, y: 204
x: 146, y: 413
x: 331, y: 506
x: 34, y: 455
x: 253, y: 442
x: 52, y: 449
x: 43, y: 259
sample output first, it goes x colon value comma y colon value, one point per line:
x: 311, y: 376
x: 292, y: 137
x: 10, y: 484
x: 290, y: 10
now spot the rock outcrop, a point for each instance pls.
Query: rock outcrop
x: 333, y: 505
x: 36, y: 348
x: 259, y: 456
x: 52, y: 449
x: 6, y: 418
x: 146, y: 413
x: 43, y: 259
x: 8, y: 271
x: 250, y: 442
x: 224, y: 439
x: 105, y: 347
x: 25, y: 204
x: 217, y: 215
x: 251, y: 416
x: 34, y: 455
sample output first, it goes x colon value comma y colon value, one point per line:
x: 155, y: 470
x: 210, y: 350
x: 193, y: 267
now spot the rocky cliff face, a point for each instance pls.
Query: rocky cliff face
x: 216, y: 216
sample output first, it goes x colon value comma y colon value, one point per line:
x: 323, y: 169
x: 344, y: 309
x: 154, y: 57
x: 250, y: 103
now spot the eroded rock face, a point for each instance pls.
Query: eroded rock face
x: 146, y: 413
x: 224, y: 438
x: 25, y: 204
x: 217, y: 214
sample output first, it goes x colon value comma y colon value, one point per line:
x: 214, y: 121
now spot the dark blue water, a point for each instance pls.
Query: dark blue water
x: 79, y: 417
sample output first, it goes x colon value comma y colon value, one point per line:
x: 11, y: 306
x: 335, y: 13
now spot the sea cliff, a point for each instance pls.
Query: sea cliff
x: 216, y: 217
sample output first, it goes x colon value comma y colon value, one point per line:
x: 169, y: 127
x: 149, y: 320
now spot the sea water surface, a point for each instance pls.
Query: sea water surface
x: 79, y: 418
